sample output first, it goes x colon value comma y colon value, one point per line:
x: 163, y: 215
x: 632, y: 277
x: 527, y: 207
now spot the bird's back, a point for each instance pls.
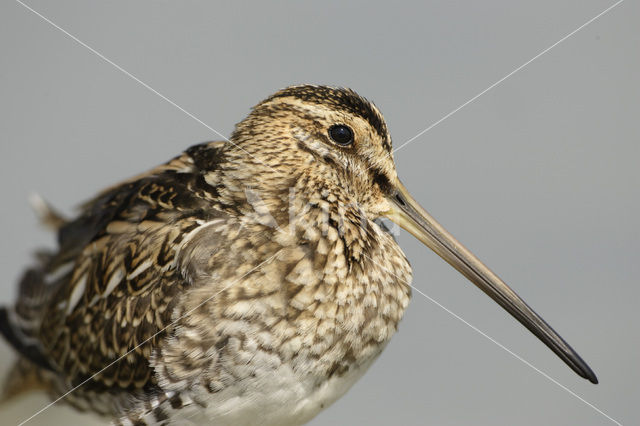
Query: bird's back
x: 109, y: 290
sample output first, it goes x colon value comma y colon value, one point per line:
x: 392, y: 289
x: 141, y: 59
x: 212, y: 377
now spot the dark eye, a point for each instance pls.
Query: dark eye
x: 341, y: 134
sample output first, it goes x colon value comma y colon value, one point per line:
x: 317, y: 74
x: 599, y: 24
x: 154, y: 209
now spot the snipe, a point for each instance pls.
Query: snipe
x: 243, y: 282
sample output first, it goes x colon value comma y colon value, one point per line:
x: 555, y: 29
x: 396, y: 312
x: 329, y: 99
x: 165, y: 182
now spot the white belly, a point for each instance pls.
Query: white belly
x: 280, y: 397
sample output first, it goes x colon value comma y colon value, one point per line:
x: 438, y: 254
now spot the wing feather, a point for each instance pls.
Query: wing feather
x: 117, y: 298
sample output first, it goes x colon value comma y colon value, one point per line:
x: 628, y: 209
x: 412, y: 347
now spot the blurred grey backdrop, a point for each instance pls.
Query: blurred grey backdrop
x: 540, y: 176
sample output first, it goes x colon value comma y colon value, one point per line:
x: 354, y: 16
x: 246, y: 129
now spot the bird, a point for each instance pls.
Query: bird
x: 250, y: 281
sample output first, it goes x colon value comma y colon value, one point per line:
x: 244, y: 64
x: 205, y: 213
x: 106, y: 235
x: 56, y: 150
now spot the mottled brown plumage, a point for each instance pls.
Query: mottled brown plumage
x: 266, y: 241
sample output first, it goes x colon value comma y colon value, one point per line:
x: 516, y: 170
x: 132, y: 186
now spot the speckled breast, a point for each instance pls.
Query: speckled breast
x: 321, y: 299
x: 299, y: 312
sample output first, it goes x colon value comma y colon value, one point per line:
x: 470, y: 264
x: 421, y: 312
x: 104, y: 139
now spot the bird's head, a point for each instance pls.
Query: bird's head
x: 332, y: 136
x: 339, y: 144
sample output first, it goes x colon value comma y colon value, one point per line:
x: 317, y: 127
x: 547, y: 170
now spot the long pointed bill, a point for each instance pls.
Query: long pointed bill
x: 407, y: 213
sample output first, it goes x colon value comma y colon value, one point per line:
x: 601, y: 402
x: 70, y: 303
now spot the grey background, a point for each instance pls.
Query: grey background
x: 539, y: 176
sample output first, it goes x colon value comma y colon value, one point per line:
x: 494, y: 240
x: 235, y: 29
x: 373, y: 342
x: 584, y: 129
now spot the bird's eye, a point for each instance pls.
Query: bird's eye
x: 341, y: 134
